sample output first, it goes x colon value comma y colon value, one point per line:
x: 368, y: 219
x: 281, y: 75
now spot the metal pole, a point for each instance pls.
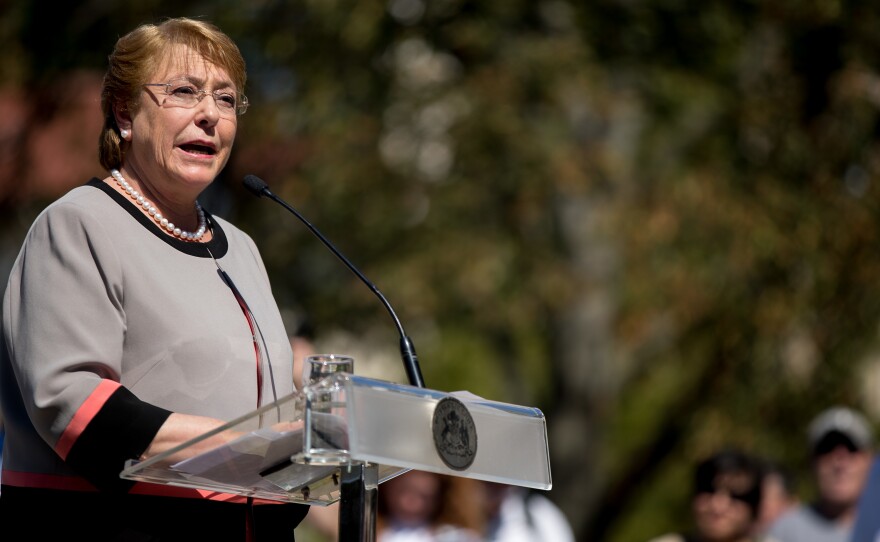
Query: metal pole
x: 357, y: 506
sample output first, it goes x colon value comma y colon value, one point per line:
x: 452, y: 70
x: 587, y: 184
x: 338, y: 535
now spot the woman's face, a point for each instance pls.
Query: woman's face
x: 723, y: 513
x: 178, y: 150
x: 412, y: 498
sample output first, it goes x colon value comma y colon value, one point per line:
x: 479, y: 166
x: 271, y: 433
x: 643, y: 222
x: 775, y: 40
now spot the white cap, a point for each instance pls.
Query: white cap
x: 845, y: 421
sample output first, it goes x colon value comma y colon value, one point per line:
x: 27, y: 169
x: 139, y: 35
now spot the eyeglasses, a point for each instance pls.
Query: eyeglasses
x: 831, y: 442
x: 747, y: 497
x: 183, y: 93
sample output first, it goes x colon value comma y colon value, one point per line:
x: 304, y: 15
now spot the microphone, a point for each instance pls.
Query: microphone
x: 407, y: 350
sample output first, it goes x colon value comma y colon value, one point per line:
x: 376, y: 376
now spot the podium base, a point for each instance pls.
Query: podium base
x: 357, y: 506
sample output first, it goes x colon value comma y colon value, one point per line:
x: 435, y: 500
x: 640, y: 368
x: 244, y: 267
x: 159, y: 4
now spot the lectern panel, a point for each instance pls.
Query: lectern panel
x: 393, y: 426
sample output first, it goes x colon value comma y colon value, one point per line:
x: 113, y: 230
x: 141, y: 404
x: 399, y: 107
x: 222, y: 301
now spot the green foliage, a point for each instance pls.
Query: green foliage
x: 657, y: 221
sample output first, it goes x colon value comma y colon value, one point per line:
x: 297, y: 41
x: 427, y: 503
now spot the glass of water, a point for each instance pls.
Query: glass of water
x: 326, y: 432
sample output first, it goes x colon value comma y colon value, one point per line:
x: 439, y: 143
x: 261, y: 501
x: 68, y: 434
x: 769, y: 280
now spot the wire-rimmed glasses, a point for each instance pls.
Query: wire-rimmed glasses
x: 183, y: 93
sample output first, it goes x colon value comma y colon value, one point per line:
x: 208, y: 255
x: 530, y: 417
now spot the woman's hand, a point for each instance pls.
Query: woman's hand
x: 179, y: 428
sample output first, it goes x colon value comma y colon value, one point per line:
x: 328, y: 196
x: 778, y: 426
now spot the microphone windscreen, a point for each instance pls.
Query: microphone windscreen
x: 255, y: 184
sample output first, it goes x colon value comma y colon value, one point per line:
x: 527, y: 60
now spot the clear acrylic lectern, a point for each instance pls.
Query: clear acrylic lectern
x: 338, y: 439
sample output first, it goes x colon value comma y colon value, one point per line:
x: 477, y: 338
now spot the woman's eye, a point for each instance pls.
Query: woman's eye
x: 184, y: 90
x: 226, y: 99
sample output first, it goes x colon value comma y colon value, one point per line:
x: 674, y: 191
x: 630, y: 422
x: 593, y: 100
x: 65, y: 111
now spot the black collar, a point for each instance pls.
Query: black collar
x: 218, y: 245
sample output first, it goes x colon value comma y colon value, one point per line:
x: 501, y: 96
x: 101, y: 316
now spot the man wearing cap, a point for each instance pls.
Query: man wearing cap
x: 841, y: 443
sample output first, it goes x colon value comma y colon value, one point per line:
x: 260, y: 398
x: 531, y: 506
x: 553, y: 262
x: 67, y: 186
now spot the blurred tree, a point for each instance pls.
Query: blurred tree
x: 654, y: 220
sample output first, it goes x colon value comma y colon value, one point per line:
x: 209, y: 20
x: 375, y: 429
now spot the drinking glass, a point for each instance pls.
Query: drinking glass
x: 320, y: 366
x: 326, y: 433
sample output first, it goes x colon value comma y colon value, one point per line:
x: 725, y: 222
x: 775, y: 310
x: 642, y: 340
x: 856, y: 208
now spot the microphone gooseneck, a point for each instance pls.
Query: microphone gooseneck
x: 259, y: 188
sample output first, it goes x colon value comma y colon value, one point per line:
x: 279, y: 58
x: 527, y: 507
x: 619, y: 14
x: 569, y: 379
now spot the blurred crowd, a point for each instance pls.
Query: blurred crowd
x: 740, y: 497
x: 735, y: 496
x: 420, y: 506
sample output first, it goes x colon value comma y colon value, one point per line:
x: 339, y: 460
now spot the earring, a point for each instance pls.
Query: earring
x: 124, y: 133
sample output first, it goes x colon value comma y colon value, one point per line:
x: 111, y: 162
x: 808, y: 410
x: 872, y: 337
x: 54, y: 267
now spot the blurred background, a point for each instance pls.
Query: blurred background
x: 655, y: 220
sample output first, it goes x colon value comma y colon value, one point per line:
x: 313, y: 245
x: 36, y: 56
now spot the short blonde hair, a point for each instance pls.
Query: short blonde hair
x: 138, y: 54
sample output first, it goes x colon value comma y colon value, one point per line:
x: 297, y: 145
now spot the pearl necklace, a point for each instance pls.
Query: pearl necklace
x: 157, y: 216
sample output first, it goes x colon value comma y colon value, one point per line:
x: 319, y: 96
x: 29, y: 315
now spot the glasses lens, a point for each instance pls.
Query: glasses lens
x: 183, y: 93
x: 743, y: 497
x: 832, y: 441
x: 243, y: 104
x: 225, y: 101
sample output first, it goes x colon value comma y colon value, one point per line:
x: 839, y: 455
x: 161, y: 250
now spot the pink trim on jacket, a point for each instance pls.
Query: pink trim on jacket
x: 73, y: 483
x: 84, y: 415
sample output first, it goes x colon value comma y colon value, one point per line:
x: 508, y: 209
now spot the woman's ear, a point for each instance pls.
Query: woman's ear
x: 123, y: 117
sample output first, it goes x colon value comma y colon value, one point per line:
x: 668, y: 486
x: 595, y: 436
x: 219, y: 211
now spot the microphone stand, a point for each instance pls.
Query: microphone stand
x: 407, y: 349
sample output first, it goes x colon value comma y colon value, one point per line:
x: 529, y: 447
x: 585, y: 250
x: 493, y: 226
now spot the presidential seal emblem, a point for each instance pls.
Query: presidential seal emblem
x: 455, y: 435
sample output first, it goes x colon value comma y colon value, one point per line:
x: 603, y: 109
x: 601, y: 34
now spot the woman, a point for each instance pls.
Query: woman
x: 133, y: 319
x: 421, y: 506
x: 517, y: 514
x: 725, y: 501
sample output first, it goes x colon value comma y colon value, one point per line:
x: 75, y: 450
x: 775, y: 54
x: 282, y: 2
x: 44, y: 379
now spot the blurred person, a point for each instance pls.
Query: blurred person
x: 778, y: 495
x: 726, y: 500
x: 841, y: 444
x: 134, y: 320
x: 516, y: 514
x: 420, y: 506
